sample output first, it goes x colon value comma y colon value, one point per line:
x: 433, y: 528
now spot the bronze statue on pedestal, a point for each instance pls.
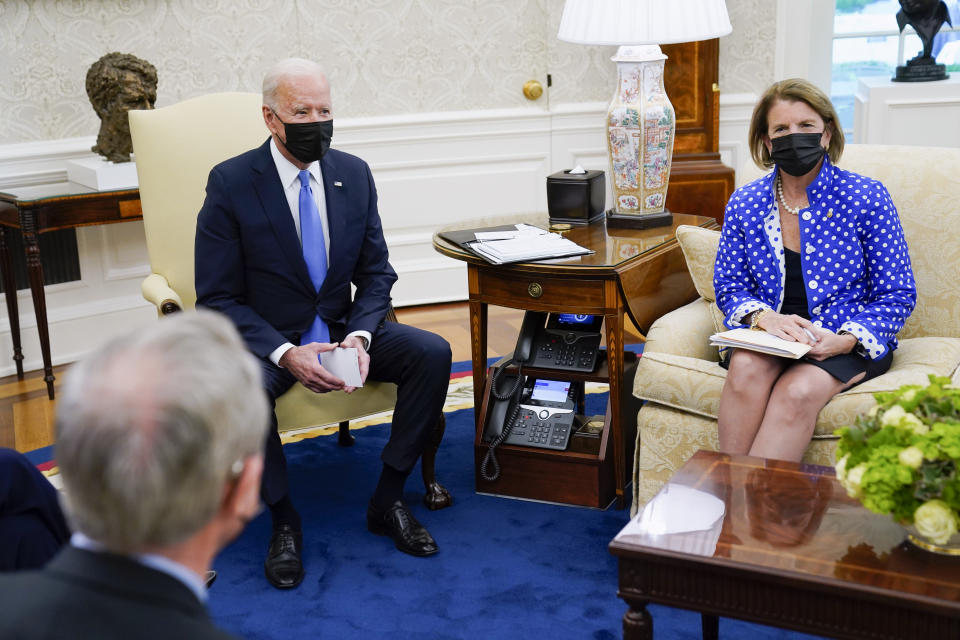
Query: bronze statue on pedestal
x: 116, y: 83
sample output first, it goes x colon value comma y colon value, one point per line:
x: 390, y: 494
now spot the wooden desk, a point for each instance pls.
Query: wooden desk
x: 35, y: 210
x: 790, y: 549
x: 638, y: 272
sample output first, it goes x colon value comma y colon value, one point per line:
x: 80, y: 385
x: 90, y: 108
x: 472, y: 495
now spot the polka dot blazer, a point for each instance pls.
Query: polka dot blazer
x: 852, y: 251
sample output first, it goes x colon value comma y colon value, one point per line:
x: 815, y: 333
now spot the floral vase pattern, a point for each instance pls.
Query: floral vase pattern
x: 640, y: 132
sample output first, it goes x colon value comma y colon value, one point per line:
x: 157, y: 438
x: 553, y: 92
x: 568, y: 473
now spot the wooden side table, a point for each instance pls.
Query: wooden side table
x: 35, y: 210
x: 789, y: 548
x: 638, y: 272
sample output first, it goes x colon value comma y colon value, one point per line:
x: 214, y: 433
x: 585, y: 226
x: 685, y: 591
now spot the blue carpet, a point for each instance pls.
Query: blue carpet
x: 506, y: 568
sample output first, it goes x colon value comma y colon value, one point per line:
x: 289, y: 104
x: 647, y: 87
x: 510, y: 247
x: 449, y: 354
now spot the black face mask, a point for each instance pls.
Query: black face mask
x: 307, y: 141
x: 797, y: 153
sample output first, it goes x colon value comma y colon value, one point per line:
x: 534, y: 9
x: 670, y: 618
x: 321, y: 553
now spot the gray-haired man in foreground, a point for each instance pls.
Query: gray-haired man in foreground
x: 159, y: 443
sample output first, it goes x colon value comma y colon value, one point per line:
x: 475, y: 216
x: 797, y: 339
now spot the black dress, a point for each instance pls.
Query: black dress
x: 844, y: 366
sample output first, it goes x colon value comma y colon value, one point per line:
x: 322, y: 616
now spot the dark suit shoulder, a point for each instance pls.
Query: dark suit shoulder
x: 81, y: 595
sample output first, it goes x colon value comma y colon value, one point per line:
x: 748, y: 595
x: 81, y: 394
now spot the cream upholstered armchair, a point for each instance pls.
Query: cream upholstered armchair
x: 175, y: 147
x: 679, y: 375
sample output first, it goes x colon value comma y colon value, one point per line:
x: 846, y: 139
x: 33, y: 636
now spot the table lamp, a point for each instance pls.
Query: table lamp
x: 641, y: 122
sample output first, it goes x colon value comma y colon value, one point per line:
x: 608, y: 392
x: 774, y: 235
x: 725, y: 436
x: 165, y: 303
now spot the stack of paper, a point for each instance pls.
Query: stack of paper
x: 524, y: 244
x: 678, y: 518
x: 760, y: 341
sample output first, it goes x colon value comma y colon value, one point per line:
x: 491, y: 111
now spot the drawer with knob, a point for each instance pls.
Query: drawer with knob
x: 538, y: 292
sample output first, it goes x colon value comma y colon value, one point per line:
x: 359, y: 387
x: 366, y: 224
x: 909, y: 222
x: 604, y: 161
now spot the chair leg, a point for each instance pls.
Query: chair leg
x: 344, y: 437
x: 436, y: 497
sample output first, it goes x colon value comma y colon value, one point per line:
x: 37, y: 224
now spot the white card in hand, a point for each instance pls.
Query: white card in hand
x: 343, y: 363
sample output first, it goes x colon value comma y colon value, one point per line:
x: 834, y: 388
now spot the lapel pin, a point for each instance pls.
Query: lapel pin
x: 338, y: 184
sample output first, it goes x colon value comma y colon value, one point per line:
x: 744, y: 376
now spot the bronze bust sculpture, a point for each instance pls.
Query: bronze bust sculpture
x: 116, y: 83
x: 926, y: 17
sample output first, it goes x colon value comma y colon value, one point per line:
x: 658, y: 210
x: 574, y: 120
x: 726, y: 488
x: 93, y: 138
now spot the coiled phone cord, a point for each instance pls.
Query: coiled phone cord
x: 490, y: 459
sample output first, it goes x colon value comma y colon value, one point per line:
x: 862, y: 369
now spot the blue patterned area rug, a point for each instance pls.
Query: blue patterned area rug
x: 506, y: 568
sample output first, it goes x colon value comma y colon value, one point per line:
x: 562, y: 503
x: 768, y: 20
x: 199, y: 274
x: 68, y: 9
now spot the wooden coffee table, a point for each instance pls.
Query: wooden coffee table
x: 789, y: 549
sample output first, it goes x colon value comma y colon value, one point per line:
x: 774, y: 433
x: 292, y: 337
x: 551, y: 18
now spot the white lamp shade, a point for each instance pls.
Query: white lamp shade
x: 633, y: 22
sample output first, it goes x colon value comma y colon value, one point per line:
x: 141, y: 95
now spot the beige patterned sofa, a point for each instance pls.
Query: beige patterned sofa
x: 678, y: 374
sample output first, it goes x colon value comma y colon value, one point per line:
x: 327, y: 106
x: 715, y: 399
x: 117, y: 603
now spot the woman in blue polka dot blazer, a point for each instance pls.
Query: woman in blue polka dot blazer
x: 809, y: 253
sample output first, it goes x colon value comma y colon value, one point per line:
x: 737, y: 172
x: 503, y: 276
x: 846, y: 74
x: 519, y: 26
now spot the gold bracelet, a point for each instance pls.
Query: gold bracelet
x: 755, y: 320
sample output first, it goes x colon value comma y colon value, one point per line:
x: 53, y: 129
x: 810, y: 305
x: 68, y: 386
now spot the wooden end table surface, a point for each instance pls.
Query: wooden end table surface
x: 37, y: 209
x: 790, y: 549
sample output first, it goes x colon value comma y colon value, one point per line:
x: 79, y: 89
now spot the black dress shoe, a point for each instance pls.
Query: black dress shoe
x: 397, y: 522
x: 283, y: 566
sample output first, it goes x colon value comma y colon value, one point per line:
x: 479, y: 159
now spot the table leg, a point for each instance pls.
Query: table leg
x: 10, y: 291
x: 637, y: 623
x: 614, y: 324
x: 709, y: 626
x: 478, y: 348
x: 35, y: 270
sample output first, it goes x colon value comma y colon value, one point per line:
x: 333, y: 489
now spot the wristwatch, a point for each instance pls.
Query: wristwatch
x: 858, y: 348
x: 366, y: 343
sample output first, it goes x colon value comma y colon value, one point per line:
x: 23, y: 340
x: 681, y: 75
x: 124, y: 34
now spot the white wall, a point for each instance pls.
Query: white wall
x: 444, y: 127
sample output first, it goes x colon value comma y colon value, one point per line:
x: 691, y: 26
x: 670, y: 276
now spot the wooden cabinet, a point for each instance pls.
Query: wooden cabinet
x: 699, y: 182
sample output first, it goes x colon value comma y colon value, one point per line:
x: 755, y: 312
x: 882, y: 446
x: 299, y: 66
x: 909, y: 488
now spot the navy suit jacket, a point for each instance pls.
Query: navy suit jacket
x: 249, y: 263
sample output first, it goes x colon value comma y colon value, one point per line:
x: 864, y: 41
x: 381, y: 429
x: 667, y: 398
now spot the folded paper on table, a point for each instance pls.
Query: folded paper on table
x: 679, y: 518
x: 514, y: 243
x: 760, y: 341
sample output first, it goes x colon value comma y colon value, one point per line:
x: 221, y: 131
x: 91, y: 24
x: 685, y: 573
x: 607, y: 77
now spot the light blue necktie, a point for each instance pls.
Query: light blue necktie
x: 314, y: 253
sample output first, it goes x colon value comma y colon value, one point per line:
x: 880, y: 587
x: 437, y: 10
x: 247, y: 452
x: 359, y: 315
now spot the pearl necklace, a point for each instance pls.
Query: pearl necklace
x: 783, y: 201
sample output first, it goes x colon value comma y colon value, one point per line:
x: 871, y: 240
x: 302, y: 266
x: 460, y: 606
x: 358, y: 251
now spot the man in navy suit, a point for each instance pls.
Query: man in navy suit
x: 283, y: 233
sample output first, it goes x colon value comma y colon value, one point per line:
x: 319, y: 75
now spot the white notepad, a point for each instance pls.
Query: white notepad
x: 760, y: 341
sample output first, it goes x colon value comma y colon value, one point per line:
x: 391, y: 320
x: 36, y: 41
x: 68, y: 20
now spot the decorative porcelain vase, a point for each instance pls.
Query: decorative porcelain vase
x: 640, y: 131
x: 950, y: 548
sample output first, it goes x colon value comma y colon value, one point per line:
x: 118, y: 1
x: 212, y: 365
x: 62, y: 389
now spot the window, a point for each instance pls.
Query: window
x: 867, y: 42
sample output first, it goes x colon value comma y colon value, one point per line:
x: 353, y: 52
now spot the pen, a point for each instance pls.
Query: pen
x: 809, y: 333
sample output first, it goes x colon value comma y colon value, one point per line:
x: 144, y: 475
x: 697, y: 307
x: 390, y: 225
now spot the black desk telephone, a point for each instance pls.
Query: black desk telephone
x: 570, y: 342
x: 537, y: 412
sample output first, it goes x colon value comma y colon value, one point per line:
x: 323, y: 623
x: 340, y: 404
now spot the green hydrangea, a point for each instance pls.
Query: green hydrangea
x: 878, y: 457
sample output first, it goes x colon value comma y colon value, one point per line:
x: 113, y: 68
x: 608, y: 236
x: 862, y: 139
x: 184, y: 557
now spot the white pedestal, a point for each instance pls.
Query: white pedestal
x: 103, y: 175
x: 911, y: 113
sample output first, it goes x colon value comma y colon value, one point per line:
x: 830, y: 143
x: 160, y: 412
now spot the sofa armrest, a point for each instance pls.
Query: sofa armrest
x: 156, y: 290
x: 684, y: 331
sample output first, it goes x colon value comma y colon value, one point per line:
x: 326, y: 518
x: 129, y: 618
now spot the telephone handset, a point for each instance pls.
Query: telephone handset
x: 524, y: 351
x: 506, y: 407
